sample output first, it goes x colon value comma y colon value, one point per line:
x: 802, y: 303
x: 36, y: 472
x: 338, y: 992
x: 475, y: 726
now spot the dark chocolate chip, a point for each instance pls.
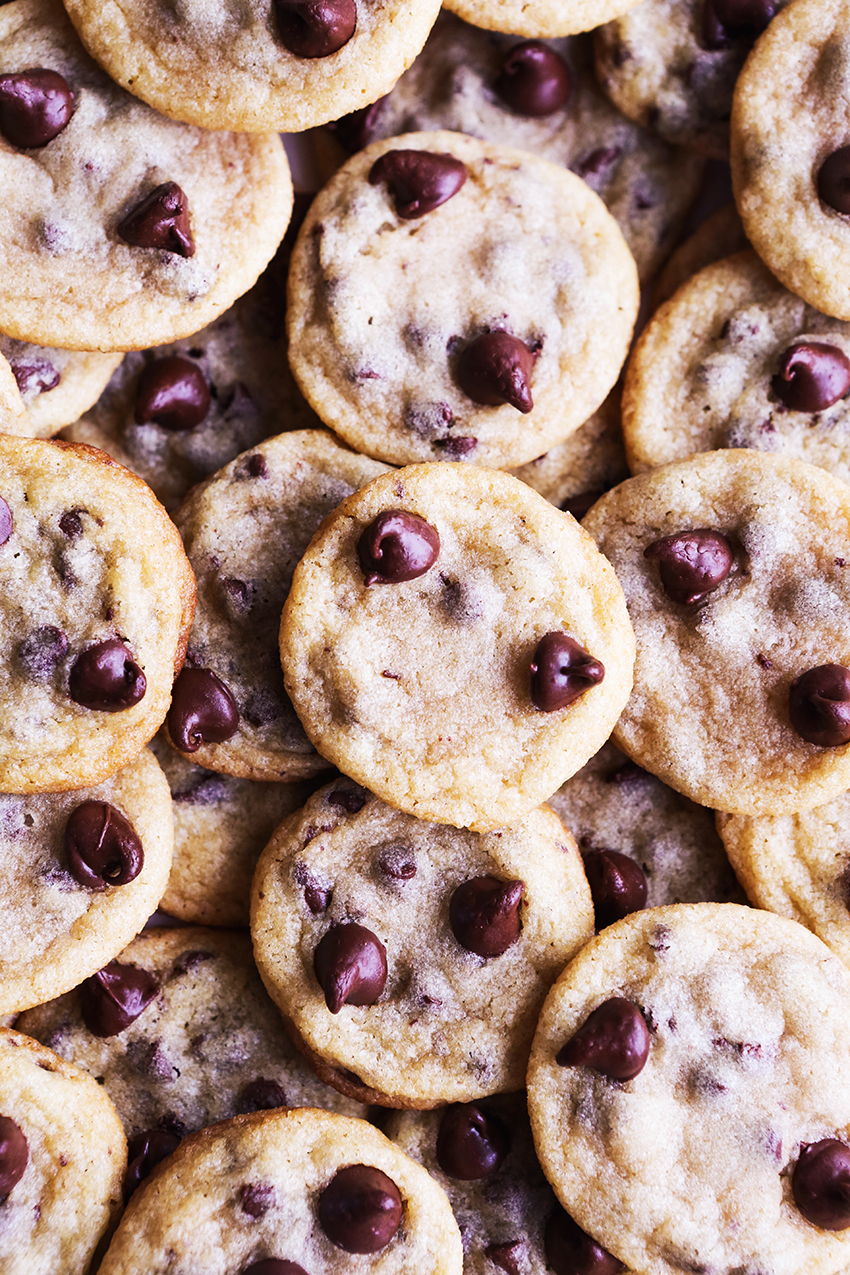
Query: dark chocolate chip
x: 40, y: 653
x: 834, y: 180
x: 419, y: 181
x: 397, y: 862
x: 597, y: 162
x: 571, y: 1251
x: 534, y: 79
x: 725, y: 20
x: 71, y: 524
x: 160, y: 220
x: 359, y: 128
x: 6, y: 521
x: 617, y: 884
x: 613, y: 1040
x: 820, y: 1184
x: 351, y: 965
x: 471, y: 1143
x: 350, y: 799
x: 360, y: 1209
x: 107, y: 678
x: 397, y: 546
x: 315, y: 28
x: 692, y: 563
x: 273, y: 1266
x: 115, y: 996
x: 561, y: 671
x: 36, y: 376
x: 172, y: 392
x: 35, y: 105
x: 101, y: 846
x: 14, y: 1154
x: 260, y: 1095
x: 812, y: 376
x: 317, y: 895
x: 144, y: 1152
x: 256, y: 1198
x: 495, y: 368
x: 203, y: 711
x: 484, y: 914
x: 819, y: 705
x: 507, y: 1256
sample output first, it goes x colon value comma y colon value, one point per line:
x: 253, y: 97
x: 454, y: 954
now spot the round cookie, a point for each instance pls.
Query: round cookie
x: 786, y: 125
x: 288, y: 1191
x: 538, y: 17
x: 71, y: 1149
x: 124, y: 229
x: 421, y: 688
x: 97, y: 599
x: 68, y: 901
x: 54, y: 386
x: 244, y: 530
x: 469, y: 931
x: 720, y: 1037
x: 713, y: 705
x: 720, y: 235
x: 736, y: 360
x: 485, y: 324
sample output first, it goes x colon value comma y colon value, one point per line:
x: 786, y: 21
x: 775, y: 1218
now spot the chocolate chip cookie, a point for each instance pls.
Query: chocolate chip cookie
x: 52, y: 386
x: 538, y: 17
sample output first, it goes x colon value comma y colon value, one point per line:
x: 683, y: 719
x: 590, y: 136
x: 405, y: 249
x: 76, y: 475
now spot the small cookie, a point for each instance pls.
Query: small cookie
x: 54, y: 386
x: 538, y: 17
x: 414, y: 955
x: 476, y: 670
x: 450, y: 299
x: 720, y: 235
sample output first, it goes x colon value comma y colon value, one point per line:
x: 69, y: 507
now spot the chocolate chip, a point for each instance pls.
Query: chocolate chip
x: 160, y: 220
x: 315, y: 28
x: 820, y: 1184
x: 571, y: 1251
x: 260, y: 1095
x: 534, y: 80
x: 834, y: 180
x: 39, y: 653
x: 254, y: 466
x: 471, y: 1143
x: 71, y: 524
x: 14, y: 1154
x: 495, y: 368
x: 725, y: 20
x: 172, y: 392
x: 819, y: 705
x: 190, y: 960
x: 35, y: 105
x: 507, y: 1256
x: 107, y: 678
x: 397, y: 546
x: 692, y: 563
x: 37, y: 376
x: 101, y: 846
x: 6, y: 521
x: 256, y: 1198
x: 358, y: 128
x: 203, y: 711
x: 419, y: 181
x: 273, y: 1266
x: 397, y: 862
x: 360, y: 1209
x: 484, y: 914
x: 114, y: 997
x: 144, y: 1153
x: 613, y: 1040
x: 350, y: 799
x: 597, y: 162
x: 317, y: 895
x: 351, y: 965
x: 812, y: 376
x: 617, y: 885
x: 207, y: 792
x: 561, y: 671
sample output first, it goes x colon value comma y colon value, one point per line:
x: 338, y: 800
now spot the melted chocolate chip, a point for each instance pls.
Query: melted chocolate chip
x: 40, y: 653
x: 617, y: 884
x: 819, y: 705
x: 114, y: 998
x: 350, y: 799
x: 144, y: 1153
x: 397, y: 546
x: 812, y: 376
x: 725, y: 20
x: 534, y: 80
x: 397, y: 862
x: 471, y: 1143
x: 107, y: 678
x: 507, y: 1256
x: 160, y: 220
x: 419, y: 181
x: 203, y: 711
x: 484, y: 915
x: 360, y: 1209
x: 350, y: 963
x: 571, y: 1251
x: 14, y: 1155
x: 260, y: 1095
x: 315, y: 28
x: 172, y: 392
x: 256, y: 1198
x: 834, y: 180
x: 495, y: 368
x: 6, y: 521
x: 273, y: 1266
x: 35, y: 105
x: 692, y: 563
x: 561, y: 671
x: 101, y: 846
x: 820, y: 1184
x: 36, y: 376
x: 613, y: 1040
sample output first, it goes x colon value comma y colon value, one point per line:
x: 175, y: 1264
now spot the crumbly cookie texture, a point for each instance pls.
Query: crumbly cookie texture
x: 710, y: 710
x: 91, y: 558
x: 382, y: 308
x: 573, y: 474
x: 54, y: 386
x: 538, y: 17
x: 705, y: 373
x: 451, y: 1024
x: 223, y: 65
x: 422, y: 689
x: 784, y: 126
x: 71, y: 279
x: 251, y: 1189
x: 70, y: 1193
x: 745, y: 1016
x: 54, y: 930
